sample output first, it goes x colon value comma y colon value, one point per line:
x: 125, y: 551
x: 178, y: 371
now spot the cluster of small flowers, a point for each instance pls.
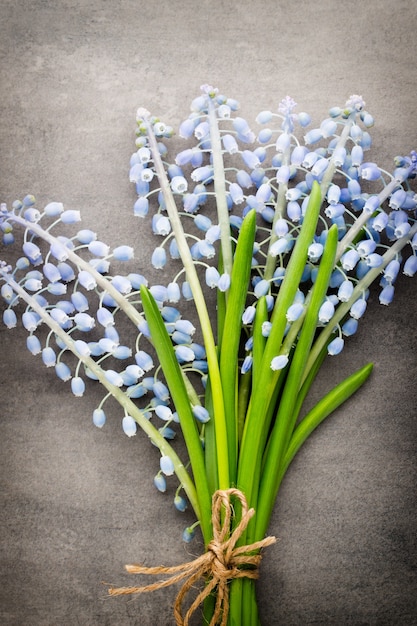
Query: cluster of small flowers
x: 275, y: 178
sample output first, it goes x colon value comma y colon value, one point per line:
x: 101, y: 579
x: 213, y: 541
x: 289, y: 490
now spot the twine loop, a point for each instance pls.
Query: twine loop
x: 221, y: 563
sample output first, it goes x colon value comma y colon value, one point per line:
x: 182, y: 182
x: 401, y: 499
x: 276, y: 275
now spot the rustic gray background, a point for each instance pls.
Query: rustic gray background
x: 78, y: 503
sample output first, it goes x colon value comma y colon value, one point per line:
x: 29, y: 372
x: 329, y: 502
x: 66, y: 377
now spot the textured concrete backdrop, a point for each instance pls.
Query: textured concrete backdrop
x: 78, y: 503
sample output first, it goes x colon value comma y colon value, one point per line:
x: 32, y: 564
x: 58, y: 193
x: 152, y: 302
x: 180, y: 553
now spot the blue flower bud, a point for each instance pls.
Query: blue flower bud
x: 53, y: 209
x: 410, y: 266
x: 358, y: 308
x: 48, y: 356
x: 200, y: 413
x: 369, y: 171
x: 99, y: 418
x: 202, y: 174
x: 279, y: 362
x: 77, y: 386
x: 188, y: 534
x: 243, y: 179
x: 294, y: 312
x: 350, y: 259
x: 160, y: 390
x: 374, y: 260
x: 33, y: 344
x: 141, y: 207
x: 247, y: 364
x: 160, y: 482
x: 32, y: 251
x: 159, y: 258
x: 180, y: 503
x: 335, y: 346
x: 313, y: 136
x: 84, y: 322
x: 166, y: 465
x: 326, y: 312
x: 186, y: 290
x: 173, y: 292
x: 230, y: 144
x: 345, y: 291
x: 387, y: 294
x: 9, y: 318
x: 350, y: 327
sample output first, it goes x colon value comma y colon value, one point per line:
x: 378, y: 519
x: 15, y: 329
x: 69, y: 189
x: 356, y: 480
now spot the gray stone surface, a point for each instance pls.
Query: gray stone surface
x: 78, y: 503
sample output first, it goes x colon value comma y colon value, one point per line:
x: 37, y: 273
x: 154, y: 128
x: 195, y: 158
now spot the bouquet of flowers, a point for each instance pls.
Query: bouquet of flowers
x: 273, y: 244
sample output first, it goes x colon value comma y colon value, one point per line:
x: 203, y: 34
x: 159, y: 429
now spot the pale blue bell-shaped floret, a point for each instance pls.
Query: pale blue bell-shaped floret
x: 160, y: 483
x: 402, y: 229
x: 98, y: 248
x: 261, y: 288
x: 177, y: 336
x: 200, y: 413
x: 374, y: 260
x: 129, y: 425
x: 336, y: 278
x: 358, y: 308
x: 7, y: 293
x: 100, y: 265
x: 164, y: 412
x: 410, y: 266
x: 186, y: 290
x: 66, y: 271
x: 167, y: 432
x: 160, y: 390
x: 184, y: 354
x: 51, y: 272
x: 328, y: 127
x: 30, y: 321
x: 319, y: 167
x: 315, y: 250
x: 111, y: 333
x: 294, y: 311
x: 224, y: 282
x: 313, y: 136
x: 205, y: 249
x: 265, y: 135
x: 334, y: 211
x: 180, y: 503
x: 335, y: 346
x: 264, y: 117
x: 32, y: 215
x: 326, y: 312
x: 33, y: 284
x: 70, y: 216
x: 141, y: 207
x: 166, y: 465
x: 281, y: 227
x: 161, y: 225
x: 131, y: 375
x: 170, y: 314
x: 48, y: 356
x: 173, y: 292
x: 345, y: 291
x: 77, y: 386
x: 248, y: 314
x: 159, y: 258
x: 279, y: 362
x: 354, y: 189
x: 122, y: 284
x: 333, y: 194
x: 179, y: 184
x: 105, y: 317
x: 188, y: 534
x: 369, y: 171
x: 33, y: 344
x: 391, y: 271
x: 32, y: 251
x: 283, y: 174
x: 387, y: 294
x: 63, y: 371
x: 84, y: 322
x: 86, y: 236
x: 298, y: 155
x: 86, y: 280
x: 82, y: 347
x: 283, y: 143
x: 186, y: 128
x: 244, y: 179
x: 350, y: 327
x: 247, y: 364
x: 9, y: 318
x: 236, y: 193
x: 122, y: 352
x: 53, y: 209
x: 159, y: 292
x: 99, y: 418
x: 280, y: 246
x: 251, y: 159
x: 213, y: 233
x: 294, y: 211
x: 339, y: 156
x: 366, y: 247
x: 264, y: 193
x: 185, y: 326
x: 201, y: 130
x: 202, y: 222
x: 380, y: 222
x: 350, y: 259
x: 230, y: 144
x: 114, y: 378
x: 357, y: 156
x: 59, y: 316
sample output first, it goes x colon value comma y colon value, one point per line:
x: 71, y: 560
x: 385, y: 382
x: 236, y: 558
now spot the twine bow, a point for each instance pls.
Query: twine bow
x: 221, y: 563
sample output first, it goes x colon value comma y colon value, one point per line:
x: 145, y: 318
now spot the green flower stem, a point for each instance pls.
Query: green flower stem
x: 229, y: 350
x: 220, y: 189
x: 129, y: 406
x: 257, y: 426
x: 365, y: 282
x: 174, y: 379
x: 200, y: 303
x: 285, y: 419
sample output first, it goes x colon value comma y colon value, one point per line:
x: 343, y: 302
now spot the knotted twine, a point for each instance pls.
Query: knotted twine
x: 221, y: 563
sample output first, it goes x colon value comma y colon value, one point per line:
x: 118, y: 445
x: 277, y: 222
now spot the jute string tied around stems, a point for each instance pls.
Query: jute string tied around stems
x: 221, y: 563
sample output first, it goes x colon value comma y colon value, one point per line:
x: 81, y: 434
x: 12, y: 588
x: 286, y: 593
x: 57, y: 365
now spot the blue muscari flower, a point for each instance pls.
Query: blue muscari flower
x: 52, y: 209
x: 188, y: 534
x: 374, y: 260
x: 33, y: 253
x: 160, y: 482
x: 279, y: 362
x: 82, y: 347
x: 122, y: 284
x: 167, y: 432
x: 57, y: 289
x: 9, y: 318
x: 159, y: 259
x: 345, y: 290
x: 386, y: 295
x: 63, y: 371
x: 247, y: 364
x: 84, y: 322
x: 7, y: 293
x: 70, y: 216
x: 410, y: 266
x: 243, y: 179
x: 99, y: 418
x: 114, y: 378
x: 186, y: 290
x: 123, y: 253
x: 200, y: 413
x: 77, y: 386
x: 160, y: 390
x: 122, y: 352
x: 86, y: 280
x: 30, y: 320
x: 265, y: 135
x: 319, y: 167
x: 98, y: 248
x: 261, y: 288
x: 186, y: 128
x: 159, y: 292
x: 264, y: 117
x: 369, y: 171
x: 230, y: 144
x: 358, y: 308
x: 202, y: 174
x: 164, y: 412
x: 335, y: 346
x: 111, y: 333
x: 166, y: 465
x: 190, y: 202
x: 180, y: 338
x: 294, y: 312
x: 105, y: 317
x: 266, y: 329
x: 180, y: 503
x: 141, y: 207
x: 33, y: 344
x: 326, y: 312
x: 131, y: 375
x: 224, y: 282
x: 161, y: 225
x: 59, y: 316
x: 236, y: 193
x: 129, y: 425
x: 350, y: 327
x: 185, y: 326
x: 170, y: 314
x: 350, y: 259
x: 48, y: 356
